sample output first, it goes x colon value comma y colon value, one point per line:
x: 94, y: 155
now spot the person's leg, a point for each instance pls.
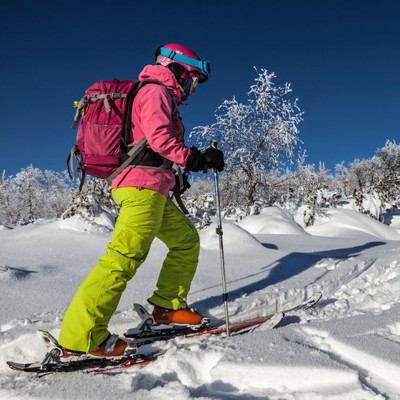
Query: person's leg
x: 179, y: 267
x: 85, y: 324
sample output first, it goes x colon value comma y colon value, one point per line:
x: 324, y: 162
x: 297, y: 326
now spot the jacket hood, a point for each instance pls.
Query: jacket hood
x: 164, y: 75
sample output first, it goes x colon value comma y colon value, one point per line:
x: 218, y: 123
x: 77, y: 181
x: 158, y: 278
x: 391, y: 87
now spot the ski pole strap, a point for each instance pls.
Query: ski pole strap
x: 133, y: 152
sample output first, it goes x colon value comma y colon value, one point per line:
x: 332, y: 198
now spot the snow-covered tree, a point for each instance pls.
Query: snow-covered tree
x: 3, y: 199
x: 389, y: 155
x: 93, y: 201
x: 365, y: 173
x: 256, y: 137
x: 374, y: 183
x: 33, y: 194
x: 342, y: 179
x: 388, y: 187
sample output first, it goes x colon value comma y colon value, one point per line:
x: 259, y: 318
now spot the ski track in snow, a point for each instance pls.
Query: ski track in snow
x: 347, y: 347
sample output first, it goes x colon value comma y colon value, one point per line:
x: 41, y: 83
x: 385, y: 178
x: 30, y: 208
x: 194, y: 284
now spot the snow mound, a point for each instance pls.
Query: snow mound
x: 101, y: 223
x: 392, y: 219
x: 273, y: 220
x: 348, y: 223
x: 232, y: 236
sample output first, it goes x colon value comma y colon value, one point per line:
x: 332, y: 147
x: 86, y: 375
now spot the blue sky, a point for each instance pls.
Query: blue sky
x: 342, y: 58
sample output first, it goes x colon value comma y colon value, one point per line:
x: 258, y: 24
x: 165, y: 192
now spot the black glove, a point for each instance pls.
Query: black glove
x: 185, y: 183
x: 215, y: 158
x: 212, y: 158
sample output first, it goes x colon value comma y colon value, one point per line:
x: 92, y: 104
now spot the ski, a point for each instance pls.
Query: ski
x: 147, y: 333
x: 52, y: 363
x: 89, y: 364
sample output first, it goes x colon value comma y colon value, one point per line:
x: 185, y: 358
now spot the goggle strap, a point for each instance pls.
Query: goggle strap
x: 173, y: 55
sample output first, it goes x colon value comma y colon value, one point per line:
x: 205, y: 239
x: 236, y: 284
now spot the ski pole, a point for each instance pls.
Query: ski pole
x: 214, y: 144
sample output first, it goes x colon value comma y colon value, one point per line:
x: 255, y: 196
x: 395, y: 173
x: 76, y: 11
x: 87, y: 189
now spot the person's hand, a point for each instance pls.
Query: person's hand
x: 215, y: 158
x: 212, y: 158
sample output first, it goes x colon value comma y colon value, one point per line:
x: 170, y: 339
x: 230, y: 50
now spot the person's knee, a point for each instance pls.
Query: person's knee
x: 191, y: 238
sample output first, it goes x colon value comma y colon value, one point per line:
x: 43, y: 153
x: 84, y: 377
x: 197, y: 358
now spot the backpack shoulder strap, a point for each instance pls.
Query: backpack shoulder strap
x: 136, y: 150
x: 128, y: 115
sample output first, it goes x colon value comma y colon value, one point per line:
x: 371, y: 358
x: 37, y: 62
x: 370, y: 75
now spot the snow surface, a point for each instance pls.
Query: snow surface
x: 347, y: 347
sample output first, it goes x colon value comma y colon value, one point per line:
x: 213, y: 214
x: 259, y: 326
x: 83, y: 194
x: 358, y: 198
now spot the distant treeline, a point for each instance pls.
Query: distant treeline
x: 372, y: 184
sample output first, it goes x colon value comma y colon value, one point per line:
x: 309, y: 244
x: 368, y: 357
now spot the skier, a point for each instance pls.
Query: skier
x: 146, y: 212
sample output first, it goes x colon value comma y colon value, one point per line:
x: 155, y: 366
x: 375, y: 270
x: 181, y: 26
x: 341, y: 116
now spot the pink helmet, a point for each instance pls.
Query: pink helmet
x: 181, y: 55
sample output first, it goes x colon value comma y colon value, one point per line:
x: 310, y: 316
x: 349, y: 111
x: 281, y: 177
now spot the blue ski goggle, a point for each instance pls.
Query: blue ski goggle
x: 203, y: 66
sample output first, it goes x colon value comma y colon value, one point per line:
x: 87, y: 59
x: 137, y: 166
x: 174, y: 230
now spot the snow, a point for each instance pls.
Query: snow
x: 347, y: 347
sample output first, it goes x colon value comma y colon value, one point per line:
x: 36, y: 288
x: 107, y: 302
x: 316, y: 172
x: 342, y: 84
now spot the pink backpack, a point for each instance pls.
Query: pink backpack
x: 103, y: 141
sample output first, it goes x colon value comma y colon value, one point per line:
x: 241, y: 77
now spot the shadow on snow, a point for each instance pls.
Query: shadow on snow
x: 287, y: 267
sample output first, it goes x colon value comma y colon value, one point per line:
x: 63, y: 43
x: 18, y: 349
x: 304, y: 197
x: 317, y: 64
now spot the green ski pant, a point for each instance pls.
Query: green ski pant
x: 144, y: 215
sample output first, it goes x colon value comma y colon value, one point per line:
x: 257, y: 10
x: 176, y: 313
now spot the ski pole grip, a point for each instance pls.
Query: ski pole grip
x: 214, y: 145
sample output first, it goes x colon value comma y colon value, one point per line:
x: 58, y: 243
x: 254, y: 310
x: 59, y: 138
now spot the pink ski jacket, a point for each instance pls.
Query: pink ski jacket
x: 155, y: 116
